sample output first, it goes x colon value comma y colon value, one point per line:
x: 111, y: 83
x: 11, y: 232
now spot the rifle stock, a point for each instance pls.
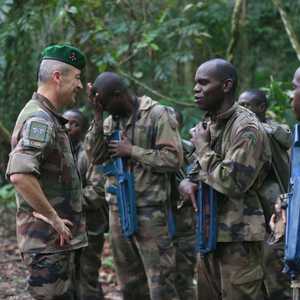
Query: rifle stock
x: 124, y: 190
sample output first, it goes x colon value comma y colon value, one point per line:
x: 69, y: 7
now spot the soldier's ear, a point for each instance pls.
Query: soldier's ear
x: 56, y: 76
x: 262, y: 107
x: 228, y: 85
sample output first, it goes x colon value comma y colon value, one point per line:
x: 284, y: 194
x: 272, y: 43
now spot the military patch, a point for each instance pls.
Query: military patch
x: 37, y: 131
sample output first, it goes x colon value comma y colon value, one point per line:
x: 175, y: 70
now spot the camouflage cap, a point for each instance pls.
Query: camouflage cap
x: 65, y: 53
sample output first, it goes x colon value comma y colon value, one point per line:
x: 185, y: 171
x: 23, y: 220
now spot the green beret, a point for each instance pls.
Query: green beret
x: 65, y: 53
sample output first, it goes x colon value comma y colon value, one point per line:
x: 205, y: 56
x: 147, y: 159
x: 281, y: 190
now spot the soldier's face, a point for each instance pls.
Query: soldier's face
x: 74, y: 125
x: 247, y: 100
x: 70, y: 86
x: 209, y: 93
x: 296, y: 94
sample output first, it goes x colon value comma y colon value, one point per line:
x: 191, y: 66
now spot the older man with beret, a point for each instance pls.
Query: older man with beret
x: 50, y: 223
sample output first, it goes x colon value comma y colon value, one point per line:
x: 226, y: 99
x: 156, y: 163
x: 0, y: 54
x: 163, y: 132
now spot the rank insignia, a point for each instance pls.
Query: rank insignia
x: 73, y: 56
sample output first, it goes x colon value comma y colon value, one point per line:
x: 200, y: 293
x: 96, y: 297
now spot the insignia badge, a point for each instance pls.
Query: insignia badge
x: 73, y: 56
x: 38, y: 131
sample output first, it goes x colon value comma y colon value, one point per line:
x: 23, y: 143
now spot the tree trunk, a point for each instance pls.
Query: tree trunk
x: 4, y: 135
x: 4, y: 150
x: 237, y: 23
x: 288, y: 27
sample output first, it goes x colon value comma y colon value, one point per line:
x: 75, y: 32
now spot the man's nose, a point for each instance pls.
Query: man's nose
x: 197, y: 88
x: 291, y: 96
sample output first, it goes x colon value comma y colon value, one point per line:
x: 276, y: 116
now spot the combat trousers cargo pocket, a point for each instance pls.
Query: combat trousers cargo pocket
x: 245, y: 276
x: 243, y: 266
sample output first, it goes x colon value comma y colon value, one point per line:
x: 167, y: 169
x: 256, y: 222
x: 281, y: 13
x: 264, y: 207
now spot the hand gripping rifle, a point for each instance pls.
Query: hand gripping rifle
x: 206, y: 219
x: 124, y: 190
x: 292, y: 231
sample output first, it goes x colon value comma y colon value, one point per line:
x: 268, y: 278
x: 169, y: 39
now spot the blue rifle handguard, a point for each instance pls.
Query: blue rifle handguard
x: 206, y: 218
x: 292, y: 230
x: 124, y: 190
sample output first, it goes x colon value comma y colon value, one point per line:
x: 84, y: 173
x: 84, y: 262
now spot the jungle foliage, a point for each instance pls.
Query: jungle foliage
x: 156, y: 45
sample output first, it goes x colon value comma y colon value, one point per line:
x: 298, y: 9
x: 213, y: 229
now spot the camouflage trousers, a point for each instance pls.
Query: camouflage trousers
x: 90, y: 259
x: 277, y: 283
x: 90, y: 263
x: 145, y: 264
x: 184, y: 242
x: 234, y: 271
x: 53, y: 276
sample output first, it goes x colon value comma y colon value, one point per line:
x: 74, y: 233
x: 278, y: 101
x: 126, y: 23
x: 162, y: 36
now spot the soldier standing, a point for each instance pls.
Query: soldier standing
x: 50, y: 223
x: 233, y: 157
x: 280, y: 138
x: 145, y: 263
x: 184, y: 239
x: 95, y: 208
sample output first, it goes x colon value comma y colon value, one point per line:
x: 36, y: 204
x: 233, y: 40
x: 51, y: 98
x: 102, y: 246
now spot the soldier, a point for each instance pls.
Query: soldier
x: 50, y: 224
x: 184, y: 239
x: 95, y: 208
x: 280, y: 138
x: 145, y: 263
x: 296, y: 94
x: 233, y: 157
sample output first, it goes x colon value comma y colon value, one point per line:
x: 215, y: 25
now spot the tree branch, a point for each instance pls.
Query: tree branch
x: 288, y: 27
x: 156, y: 93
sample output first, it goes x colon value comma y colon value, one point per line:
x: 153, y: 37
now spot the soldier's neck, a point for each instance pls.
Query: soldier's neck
x: 226, y: 104
x: 50, y: 94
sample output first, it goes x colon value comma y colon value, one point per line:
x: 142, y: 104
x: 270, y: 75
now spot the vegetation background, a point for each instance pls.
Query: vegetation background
x: 156, y: 45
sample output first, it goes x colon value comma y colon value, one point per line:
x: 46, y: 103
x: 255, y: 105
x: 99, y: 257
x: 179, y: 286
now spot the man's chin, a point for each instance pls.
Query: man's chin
x: 202, y: 106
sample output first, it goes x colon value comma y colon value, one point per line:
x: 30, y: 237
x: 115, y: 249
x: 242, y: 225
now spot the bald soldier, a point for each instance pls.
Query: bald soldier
x: 233, y: 157
x: 280, y: 139
x: 50, y: 223
x: 145, y: 263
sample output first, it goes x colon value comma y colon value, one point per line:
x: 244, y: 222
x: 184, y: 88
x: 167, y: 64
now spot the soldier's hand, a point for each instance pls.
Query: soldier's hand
x: 120, y: 149
x: 200, y: 134
x: 95, y: 100
x: 188, y: 191
x: 60, y: 226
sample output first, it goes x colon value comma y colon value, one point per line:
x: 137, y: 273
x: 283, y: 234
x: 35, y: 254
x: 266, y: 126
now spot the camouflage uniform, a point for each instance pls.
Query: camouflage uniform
x: 235, y: 163
x: 41, y: 147
x: 184, y: 239
x: 96, y: 212
x: 148, y: 258
x: 280, y: 137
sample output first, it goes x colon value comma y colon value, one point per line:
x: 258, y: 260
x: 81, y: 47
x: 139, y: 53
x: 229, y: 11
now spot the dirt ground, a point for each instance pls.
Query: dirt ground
x: 13, y: 273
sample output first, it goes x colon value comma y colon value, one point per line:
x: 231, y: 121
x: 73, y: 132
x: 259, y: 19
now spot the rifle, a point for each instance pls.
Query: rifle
x: 206, y: 219
x: 292, y: 231
x: 124, y: 190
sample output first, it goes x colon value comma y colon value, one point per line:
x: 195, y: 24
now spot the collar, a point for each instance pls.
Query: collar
x: 45, y: 103
x: 224, y: 115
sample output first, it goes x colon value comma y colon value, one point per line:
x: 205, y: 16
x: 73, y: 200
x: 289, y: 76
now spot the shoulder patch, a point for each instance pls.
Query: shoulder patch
x: 37, y: 131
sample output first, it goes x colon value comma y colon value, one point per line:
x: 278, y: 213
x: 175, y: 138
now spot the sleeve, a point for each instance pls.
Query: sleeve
x: 93, y: 192
x: 242, y: 163
x: 95, y: 144
x: 27, y: 156
x: 167, y: 156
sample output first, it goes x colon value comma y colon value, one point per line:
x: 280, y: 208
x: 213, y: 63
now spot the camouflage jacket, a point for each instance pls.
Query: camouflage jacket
x: 277, y: 181
x: 41, y: 147
x: 156, y: 150
x: 281, y: 139
x: 94, y: 202
x: 235, y: 163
